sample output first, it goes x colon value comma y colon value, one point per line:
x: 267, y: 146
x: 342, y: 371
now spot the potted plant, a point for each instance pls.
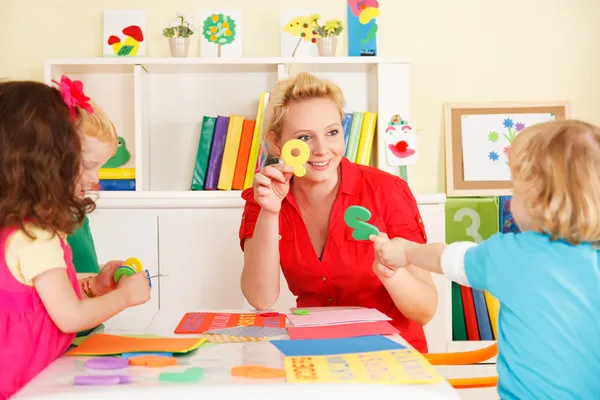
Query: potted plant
x: 328, y: 34
x: 179, y: 33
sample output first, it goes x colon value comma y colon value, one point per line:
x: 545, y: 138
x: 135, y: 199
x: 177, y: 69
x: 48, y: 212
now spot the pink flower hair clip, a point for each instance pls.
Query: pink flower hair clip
x: 73, y: 96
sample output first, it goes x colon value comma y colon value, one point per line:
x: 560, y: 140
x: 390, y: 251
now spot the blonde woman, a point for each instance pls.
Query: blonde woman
x: 547, y: 278
x: 298, y: 223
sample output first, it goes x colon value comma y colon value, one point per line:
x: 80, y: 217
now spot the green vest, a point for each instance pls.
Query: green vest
x: 81, y: 241
x: 85, y: 259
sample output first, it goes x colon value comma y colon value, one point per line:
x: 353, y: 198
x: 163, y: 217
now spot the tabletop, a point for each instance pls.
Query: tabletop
x: 56, y: 381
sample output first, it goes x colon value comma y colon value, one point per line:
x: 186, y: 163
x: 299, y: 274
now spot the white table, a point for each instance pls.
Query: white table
x: 56, y: 381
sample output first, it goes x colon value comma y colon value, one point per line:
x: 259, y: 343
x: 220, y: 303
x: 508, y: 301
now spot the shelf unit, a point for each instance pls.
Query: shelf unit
x: 157, y: 104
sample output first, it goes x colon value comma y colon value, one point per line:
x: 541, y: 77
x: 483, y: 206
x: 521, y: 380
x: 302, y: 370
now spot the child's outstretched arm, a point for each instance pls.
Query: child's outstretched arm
x: 433, y: 257
x: 72, y: 315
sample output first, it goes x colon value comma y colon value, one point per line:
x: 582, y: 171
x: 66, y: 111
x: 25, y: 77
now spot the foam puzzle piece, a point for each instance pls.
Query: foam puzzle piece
x: 106, y: 363
x: 296, y: 160
x: 257, y: 372
x: 152, y: 361
x: 190, y: 375
x: 101, y: 380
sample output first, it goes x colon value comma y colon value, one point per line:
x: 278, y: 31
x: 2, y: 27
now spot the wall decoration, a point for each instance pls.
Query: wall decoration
x: 221, y: 33
x: 298, y: 36
x: 478, y: 139
x: 362, y: 27
x: 124, y: 33
x: 401, y: 142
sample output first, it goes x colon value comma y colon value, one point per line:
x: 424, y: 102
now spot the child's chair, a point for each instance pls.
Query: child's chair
x: 467, y: 358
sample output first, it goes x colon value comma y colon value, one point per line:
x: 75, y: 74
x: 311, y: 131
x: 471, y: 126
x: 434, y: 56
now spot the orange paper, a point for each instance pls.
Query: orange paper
x: 101, y: 344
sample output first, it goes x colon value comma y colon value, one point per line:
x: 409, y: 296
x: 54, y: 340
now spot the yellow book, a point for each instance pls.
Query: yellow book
x: 232, y: 145
x: 493, y: 306
x: 367, y: 133
x: 116, y: 173
x: 255, y: 147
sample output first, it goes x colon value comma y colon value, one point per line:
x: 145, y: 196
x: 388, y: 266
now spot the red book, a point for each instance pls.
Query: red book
x: 470, y: 315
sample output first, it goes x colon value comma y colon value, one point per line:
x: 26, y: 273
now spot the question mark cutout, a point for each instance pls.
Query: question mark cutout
x: 355, y: 217
x: 296, y: 161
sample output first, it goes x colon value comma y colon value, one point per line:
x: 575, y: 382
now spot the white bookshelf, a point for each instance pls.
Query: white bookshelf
x: 157, y: 104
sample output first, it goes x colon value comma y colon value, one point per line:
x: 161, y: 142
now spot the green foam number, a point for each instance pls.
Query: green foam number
x: 123, y: 270
x: 355, y: 217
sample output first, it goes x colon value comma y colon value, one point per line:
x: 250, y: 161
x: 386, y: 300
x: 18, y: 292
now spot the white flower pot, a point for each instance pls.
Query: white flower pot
x: 179, y: 46
x: 327, y: 46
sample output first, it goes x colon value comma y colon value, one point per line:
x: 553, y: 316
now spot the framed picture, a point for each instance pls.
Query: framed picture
x: 478, y: 137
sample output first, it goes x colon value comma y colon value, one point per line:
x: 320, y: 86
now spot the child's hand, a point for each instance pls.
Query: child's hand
x: 388, y: 252
x: 104, y: 282
x: 136, y: 288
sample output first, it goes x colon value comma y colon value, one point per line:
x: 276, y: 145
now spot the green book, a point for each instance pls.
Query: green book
x: 353, y: 138
x: 459, y: 326
x: 204, y: 146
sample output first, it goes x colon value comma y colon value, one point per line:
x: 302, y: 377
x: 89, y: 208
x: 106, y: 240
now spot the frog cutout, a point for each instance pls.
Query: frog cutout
x: 121, y: 155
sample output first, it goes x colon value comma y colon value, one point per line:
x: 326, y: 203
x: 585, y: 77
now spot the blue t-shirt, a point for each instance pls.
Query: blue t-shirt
x: 549, y: 321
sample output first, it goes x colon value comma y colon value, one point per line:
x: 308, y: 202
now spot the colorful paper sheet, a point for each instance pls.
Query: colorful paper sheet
x: 342, y: 331
x: 251, y: 331
x: 338, y: 317
x: 404, y: 366
x: 201, y: 322
x: 102, y: 344
x: 232, y: 339
x: 321, y: 347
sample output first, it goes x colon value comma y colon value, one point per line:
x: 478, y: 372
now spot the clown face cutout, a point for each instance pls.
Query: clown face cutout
x: 400, y: 142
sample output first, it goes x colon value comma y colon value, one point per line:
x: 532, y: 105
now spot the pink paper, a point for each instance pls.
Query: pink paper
x: 334, y: 317
x: 342, y: 331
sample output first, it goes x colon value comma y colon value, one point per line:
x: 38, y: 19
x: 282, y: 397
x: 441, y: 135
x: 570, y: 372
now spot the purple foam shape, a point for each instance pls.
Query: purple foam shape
x: 107, y: 363
x: 101, y: 380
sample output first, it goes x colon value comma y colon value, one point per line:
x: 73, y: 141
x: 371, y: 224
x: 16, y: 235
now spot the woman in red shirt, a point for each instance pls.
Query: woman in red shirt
x: 298, y: 223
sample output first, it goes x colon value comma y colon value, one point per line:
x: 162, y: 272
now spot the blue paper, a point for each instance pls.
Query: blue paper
x: 129, y: 355
x: 325, y: 347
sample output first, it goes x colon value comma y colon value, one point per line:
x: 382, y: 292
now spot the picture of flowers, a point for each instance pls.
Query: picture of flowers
x: 486, y: 142
x: 298, y: 35
x: 362, y: 27
x: 221, y: 33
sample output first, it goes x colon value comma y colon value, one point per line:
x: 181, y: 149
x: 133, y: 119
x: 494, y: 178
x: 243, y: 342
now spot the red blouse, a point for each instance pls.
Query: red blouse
x: 345, y: 277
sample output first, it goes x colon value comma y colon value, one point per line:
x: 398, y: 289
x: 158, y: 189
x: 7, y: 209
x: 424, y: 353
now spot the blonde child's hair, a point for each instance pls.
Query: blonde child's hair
x: 97, y: 125
x: 303, y: 86
x: 555, y: 169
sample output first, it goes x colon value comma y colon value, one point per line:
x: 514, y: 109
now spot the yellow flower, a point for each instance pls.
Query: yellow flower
x: 314, y: 17
x: 368, y: 14
x: 331, y: 26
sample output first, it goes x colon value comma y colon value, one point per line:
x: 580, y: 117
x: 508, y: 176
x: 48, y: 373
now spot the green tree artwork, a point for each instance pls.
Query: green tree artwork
x: 219, y: 29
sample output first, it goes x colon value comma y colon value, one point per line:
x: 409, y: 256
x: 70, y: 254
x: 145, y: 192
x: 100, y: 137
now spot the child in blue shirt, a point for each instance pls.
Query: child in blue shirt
x: 547, y: 278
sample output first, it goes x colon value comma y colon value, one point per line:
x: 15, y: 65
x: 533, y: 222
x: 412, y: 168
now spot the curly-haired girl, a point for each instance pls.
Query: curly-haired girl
x: 41, y: 307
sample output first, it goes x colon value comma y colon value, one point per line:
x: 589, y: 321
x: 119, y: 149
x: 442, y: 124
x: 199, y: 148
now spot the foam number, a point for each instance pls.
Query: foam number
x: 355, y: 217
x: 472, y: 230
x: 297, y: 161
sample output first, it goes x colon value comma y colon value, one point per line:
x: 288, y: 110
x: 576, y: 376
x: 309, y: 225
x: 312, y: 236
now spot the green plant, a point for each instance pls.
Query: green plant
x: 330, y: 28
x: 181, y: 27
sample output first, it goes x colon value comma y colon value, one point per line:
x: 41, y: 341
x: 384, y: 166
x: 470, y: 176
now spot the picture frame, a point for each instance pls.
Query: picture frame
x: 477, y: 139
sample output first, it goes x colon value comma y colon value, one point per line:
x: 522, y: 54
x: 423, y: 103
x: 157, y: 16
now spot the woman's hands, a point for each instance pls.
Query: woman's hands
x: 271, y: 185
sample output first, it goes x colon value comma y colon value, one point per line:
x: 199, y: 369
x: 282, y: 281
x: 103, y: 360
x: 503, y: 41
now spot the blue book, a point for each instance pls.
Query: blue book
x: 117, y: 184
x: 346, y: 123
x: 483, y: 317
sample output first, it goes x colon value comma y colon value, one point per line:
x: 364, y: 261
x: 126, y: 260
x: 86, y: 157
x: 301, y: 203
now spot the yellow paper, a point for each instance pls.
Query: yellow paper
x: 405, y: 366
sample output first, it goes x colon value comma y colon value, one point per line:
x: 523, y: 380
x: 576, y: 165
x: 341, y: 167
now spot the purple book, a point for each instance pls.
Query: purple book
x: 216, y: 153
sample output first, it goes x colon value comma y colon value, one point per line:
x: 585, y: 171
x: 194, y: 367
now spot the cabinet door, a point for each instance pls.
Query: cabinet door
x: 118, y: 235
x: 200, y: 251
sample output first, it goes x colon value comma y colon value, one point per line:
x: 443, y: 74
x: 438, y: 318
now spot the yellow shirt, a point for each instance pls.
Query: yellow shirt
x: 27, y: 258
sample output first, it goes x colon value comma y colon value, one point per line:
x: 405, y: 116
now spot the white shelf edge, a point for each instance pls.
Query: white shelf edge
x: 223, y: 61
x: 198, y: 199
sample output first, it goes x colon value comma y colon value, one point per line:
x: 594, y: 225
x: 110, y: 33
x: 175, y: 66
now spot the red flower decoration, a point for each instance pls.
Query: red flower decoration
x: 73, y: 96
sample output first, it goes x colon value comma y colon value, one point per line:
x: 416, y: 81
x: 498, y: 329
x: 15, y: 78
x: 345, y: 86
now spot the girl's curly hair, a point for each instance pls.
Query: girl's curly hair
x: 40, y: 160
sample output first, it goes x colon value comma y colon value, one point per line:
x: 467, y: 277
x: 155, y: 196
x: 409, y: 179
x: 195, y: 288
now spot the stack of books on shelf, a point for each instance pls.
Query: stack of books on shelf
x: 230, y: 151
x: 475, y: 312
x: 116, y: 179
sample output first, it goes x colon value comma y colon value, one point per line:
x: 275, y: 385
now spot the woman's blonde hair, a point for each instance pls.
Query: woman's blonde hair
x: 97, y: 125
x: 555, y: 168
x: 303, y: 86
